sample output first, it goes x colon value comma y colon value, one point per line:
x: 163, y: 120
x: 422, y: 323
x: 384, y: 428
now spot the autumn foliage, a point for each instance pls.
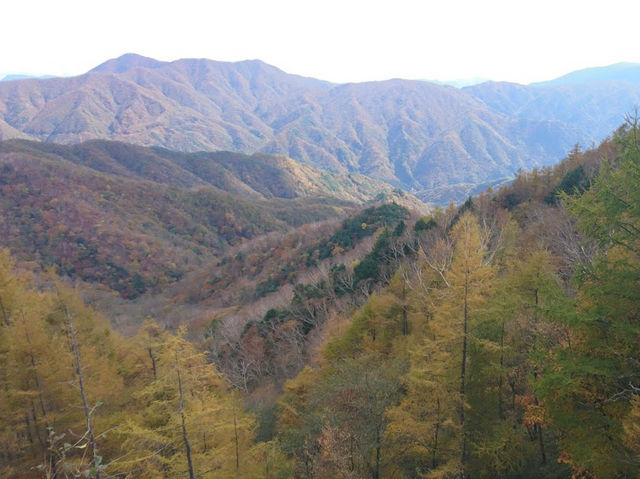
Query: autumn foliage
x: 498, y: 339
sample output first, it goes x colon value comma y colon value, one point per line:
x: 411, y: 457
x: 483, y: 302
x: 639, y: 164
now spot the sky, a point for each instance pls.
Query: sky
x: 337, y: 40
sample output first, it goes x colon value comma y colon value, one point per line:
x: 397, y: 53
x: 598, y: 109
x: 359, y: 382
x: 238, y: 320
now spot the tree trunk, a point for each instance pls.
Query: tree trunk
x: 5, y: 317
x: 185, y: 437
x: 27, y: 425
x: 376, y: 470
x: 543, y: 454
x: 501, y: 378
x: 36, y: 426
x: 235, y: 432
x: 36, y: 378
x: 405, y: 322
x: 434, y: 453
x: 153, y: 363
x: 83, y: 392
x: 538, y: 427
x: 463, y: 377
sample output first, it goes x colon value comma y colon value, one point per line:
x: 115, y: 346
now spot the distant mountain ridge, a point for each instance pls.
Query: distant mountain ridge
x: 255, y: 177
x: 13, y: 77
x: 618, y: 72
x: 413, y: 134
x: 127, y: 62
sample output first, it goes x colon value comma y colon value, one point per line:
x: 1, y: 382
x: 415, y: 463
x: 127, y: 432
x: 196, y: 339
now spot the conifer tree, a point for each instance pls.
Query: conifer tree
x: 591, y: 385
x: 434, y: 413
x: 187, y: 423
x: 58, y: 369
x: 523, y: 323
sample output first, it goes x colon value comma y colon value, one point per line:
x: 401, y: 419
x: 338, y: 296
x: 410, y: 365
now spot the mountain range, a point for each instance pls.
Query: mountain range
x: 18, y: 76
x: 429, y: 139
x: 136, y: 218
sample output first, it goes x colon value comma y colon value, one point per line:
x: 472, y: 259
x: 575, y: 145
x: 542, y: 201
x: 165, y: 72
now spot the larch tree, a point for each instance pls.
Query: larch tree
x: 435, y: 412
x: 34, y: 388
x: 187, y: 422
x: 352, y: 398
x: 524, y: 322
x: 57, y: 366
x: 631, y: 425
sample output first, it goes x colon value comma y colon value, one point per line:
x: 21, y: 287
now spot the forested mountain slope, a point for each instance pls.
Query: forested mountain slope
x: 80, y: 400
x: 506, y: 347
x: 497, y: 339
x: 593, y: 108
x: 412, y: 134
x: 136, y: 219
x: 257, y: 176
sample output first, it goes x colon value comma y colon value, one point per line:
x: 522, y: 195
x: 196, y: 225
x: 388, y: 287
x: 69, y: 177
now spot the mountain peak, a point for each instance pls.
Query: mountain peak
x: 127, y: 62
x: 624, y: 71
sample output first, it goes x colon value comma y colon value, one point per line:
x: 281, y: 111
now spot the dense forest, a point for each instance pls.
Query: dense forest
x: 498, y: 339
x: 138, y: 219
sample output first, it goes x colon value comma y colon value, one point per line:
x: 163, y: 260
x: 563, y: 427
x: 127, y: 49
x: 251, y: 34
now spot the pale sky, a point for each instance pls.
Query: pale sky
x: 335, y: 40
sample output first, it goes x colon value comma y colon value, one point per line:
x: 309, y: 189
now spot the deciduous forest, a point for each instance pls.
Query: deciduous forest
x: 497, y: 339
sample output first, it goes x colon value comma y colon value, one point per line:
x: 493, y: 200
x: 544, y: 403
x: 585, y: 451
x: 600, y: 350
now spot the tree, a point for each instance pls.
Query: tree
x: 433, y: 416
x: 34, y: 390
x: 353, y: 398
x: 299, y: 425
x: 591, y: 385
x: 509, y: 426
x: 631, y: 427
x: 187, y: 423
x: 57, y: 371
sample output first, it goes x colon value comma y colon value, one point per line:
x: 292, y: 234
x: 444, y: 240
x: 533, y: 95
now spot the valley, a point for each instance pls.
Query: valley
x: 222, y: 270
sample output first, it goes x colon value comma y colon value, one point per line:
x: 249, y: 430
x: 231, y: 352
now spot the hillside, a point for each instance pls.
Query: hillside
x: 494, y: 339
x: 257, y: 176
x: 504, y: 348
x: 593, y: 108
x: 412, y: 134
x: 136, y: 219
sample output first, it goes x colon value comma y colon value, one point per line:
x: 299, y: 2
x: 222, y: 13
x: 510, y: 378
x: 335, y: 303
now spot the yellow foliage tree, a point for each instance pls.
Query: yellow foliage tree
x: 187, y: 423
x: 631, y: 426
x: 433, y: 417
x: 58, y: 373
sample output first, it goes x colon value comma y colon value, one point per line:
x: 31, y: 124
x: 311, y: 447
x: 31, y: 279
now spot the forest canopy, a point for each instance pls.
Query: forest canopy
x: 500, y: 338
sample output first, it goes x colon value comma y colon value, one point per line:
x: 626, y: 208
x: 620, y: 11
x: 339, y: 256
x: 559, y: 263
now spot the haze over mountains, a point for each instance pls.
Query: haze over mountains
x: 414, y: 134
x: 18, y: 76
